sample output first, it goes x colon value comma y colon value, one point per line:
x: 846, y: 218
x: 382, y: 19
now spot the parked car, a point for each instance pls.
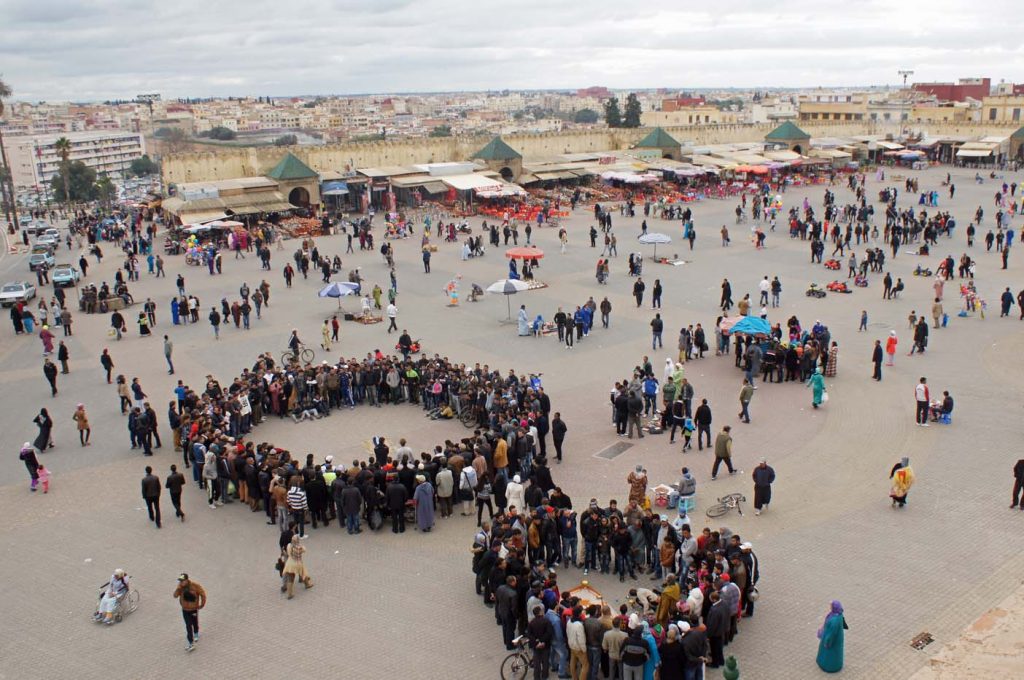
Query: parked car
x: 64, y: 275
x: 40, y: 255
x: 36, y: 227
x: 16, y: 291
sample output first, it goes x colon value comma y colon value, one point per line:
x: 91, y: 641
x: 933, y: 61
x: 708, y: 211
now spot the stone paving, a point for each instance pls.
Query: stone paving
x: 934, y: 567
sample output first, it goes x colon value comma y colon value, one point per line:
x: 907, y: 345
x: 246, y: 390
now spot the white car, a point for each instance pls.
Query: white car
x: 16, y: 291
x: 40, y: 256
x: 50, y: 237
x: 64, y: 275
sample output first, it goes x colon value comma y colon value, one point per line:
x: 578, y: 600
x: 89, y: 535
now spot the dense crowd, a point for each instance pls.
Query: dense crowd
x: 708, y: 582
x: 211, y: 427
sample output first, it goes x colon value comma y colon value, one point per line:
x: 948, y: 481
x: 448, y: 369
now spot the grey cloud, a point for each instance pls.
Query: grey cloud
x: 58, y: 49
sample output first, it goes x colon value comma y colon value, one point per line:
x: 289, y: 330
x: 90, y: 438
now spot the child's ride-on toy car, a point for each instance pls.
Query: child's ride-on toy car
x: 838, y: 287
x: 815, y: 292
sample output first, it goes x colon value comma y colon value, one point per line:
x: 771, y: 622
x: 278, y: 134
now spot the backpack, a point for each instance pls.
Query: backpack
x: 634, y: 651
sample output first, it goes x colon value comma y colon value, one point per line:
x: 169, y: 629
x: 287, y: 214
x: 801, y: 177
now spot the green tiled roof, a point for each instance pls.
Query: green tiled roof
x: 497, y: 150
x: 787, y: 131
x: 657, y: 139
x: 291, y: 167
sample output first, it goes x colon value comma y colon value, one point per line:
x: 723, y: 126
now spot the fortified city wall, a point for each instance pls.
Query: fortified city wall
x: 228, y: 163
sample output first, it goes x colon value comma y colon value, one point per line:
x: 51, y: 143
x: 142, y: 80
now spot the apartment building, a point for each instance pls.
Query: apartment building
x: 825, y: 105
x: 946, y: 112
x: 770, y: 110
x: 1002, y: 108
x: 35, y: 160
x: 694, y: 115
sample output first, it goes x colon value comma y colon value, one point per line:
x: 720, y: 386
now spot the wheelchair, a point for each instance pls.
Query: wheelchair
x: 126, y: 604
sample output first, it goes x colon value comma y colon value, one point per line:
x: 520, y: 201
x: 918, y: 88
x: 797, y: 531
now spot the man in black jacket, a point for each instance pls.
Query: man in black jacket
x: 151, y: 494
x: 506, y: 602
x: 718, y: 622
x: 541, y: 633
x: 638, y: 291
x: 702, y: 418
x: 635, y: 405
x: 695, y: 649
x: 50, y: 371
x: 396, y: 496
x: 337, y: 490
x: 351, y: 500
x: 621, y: 402
x: 558, y: 430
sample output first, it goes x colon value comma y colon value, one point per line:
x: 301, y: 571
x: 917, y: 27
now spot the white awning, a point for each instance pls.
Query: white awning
x: 979, y: 146
x: 888, y: 146
x: 474, y: 181
x: 834, y: 154
x: 973, y: 153
x: 504, y: 190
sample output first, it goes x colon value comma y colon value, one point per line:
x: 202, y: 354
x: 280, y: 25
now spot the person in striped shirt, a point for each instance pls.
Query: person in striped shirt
x: 297, y: 505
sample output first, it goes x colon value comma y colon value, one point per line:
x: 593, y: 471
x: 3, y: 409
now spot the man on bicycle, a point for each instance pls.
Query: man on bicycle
x: 294, y: 344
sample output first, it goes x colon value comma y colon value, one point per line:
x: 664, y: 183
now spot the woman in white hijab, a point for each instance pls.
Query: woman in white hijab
x: 694, y: 601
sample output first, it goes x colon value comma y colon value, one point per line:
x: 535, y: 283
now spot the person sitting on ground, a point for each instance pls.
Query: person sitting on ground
x: 305, y: 413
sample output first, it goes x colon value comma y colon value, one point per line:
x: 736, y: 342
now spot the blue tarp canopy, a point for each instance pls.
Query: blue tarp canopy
x: 334, y: 188
x: 751, y: 325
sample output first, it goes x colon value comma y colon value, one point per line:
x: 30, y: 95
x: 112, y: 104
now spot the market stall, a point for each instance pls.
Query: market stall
x: 530, y: 256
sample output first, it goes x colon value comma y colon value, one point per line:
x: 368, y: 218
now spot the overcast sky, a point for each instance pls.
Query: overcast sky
x: 74, y: 50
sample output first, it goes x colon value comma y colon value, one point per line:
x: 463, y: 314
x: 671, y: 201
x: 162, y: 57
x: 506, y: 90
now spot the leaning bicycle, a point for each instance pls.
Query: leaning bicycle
x: 517, y: 664
x: 727, y: 503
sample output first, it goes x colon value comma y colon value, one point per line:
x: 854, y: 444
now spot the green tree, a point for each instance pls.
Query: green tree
x: 221, y: 133
x: 105, y: 190
x: 586, y: 116
x: 441, y: 131
x: 81, y: 183
x: 612, y: 114
x: 6, y: 180
x: 286, y: 140
x: 141, y: 167
x: 63, y: 146
x: 633, y: 109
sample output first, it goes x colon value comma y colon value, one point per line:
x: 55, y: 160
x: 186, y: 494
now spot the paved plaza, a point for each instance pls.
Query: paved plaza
x: 392, y: 606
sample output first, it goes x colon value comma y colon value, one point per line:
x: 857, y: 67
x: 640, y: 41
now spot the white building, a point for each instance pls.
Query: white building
x: 35, y: 159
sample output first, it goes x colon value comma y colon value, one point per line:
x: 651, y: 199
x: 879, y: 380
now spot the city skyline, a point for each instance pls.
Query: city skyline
x: 440, y: 46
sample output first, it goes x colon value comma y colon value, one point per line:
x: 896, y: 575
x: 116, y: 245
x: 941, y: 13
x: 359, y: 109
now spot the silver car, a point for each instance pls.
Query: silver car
x: 50, y: 237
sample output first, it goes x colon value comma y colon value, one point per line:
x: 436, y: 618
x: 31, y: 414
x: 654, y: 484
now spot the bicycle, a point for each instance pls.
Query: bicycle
x: 303, y: 353
x: 727, y: 503
x: 468, y: 418
x: 517, y: 665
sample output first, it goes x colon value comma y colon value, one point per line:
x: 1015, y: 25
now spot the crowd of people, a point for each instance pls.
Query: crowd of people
x: 213, y: 427
x: 708, y: 582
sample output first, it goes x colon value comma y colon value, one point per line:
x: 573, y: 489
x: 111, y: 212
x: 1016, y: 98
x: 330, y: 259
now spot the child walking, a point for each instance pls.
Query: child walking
x: 44, y: 477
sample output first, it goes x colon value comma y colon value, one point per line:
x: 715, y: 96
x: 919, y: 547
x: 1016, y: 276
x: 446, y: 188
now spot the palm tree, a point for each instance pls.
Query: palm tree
x: 63, y: 146
x: 7, y: 179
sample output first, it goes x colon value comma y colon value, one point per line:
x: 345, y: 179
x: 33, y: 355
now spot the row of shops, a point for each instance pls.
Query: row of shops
x: 498, y: 174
